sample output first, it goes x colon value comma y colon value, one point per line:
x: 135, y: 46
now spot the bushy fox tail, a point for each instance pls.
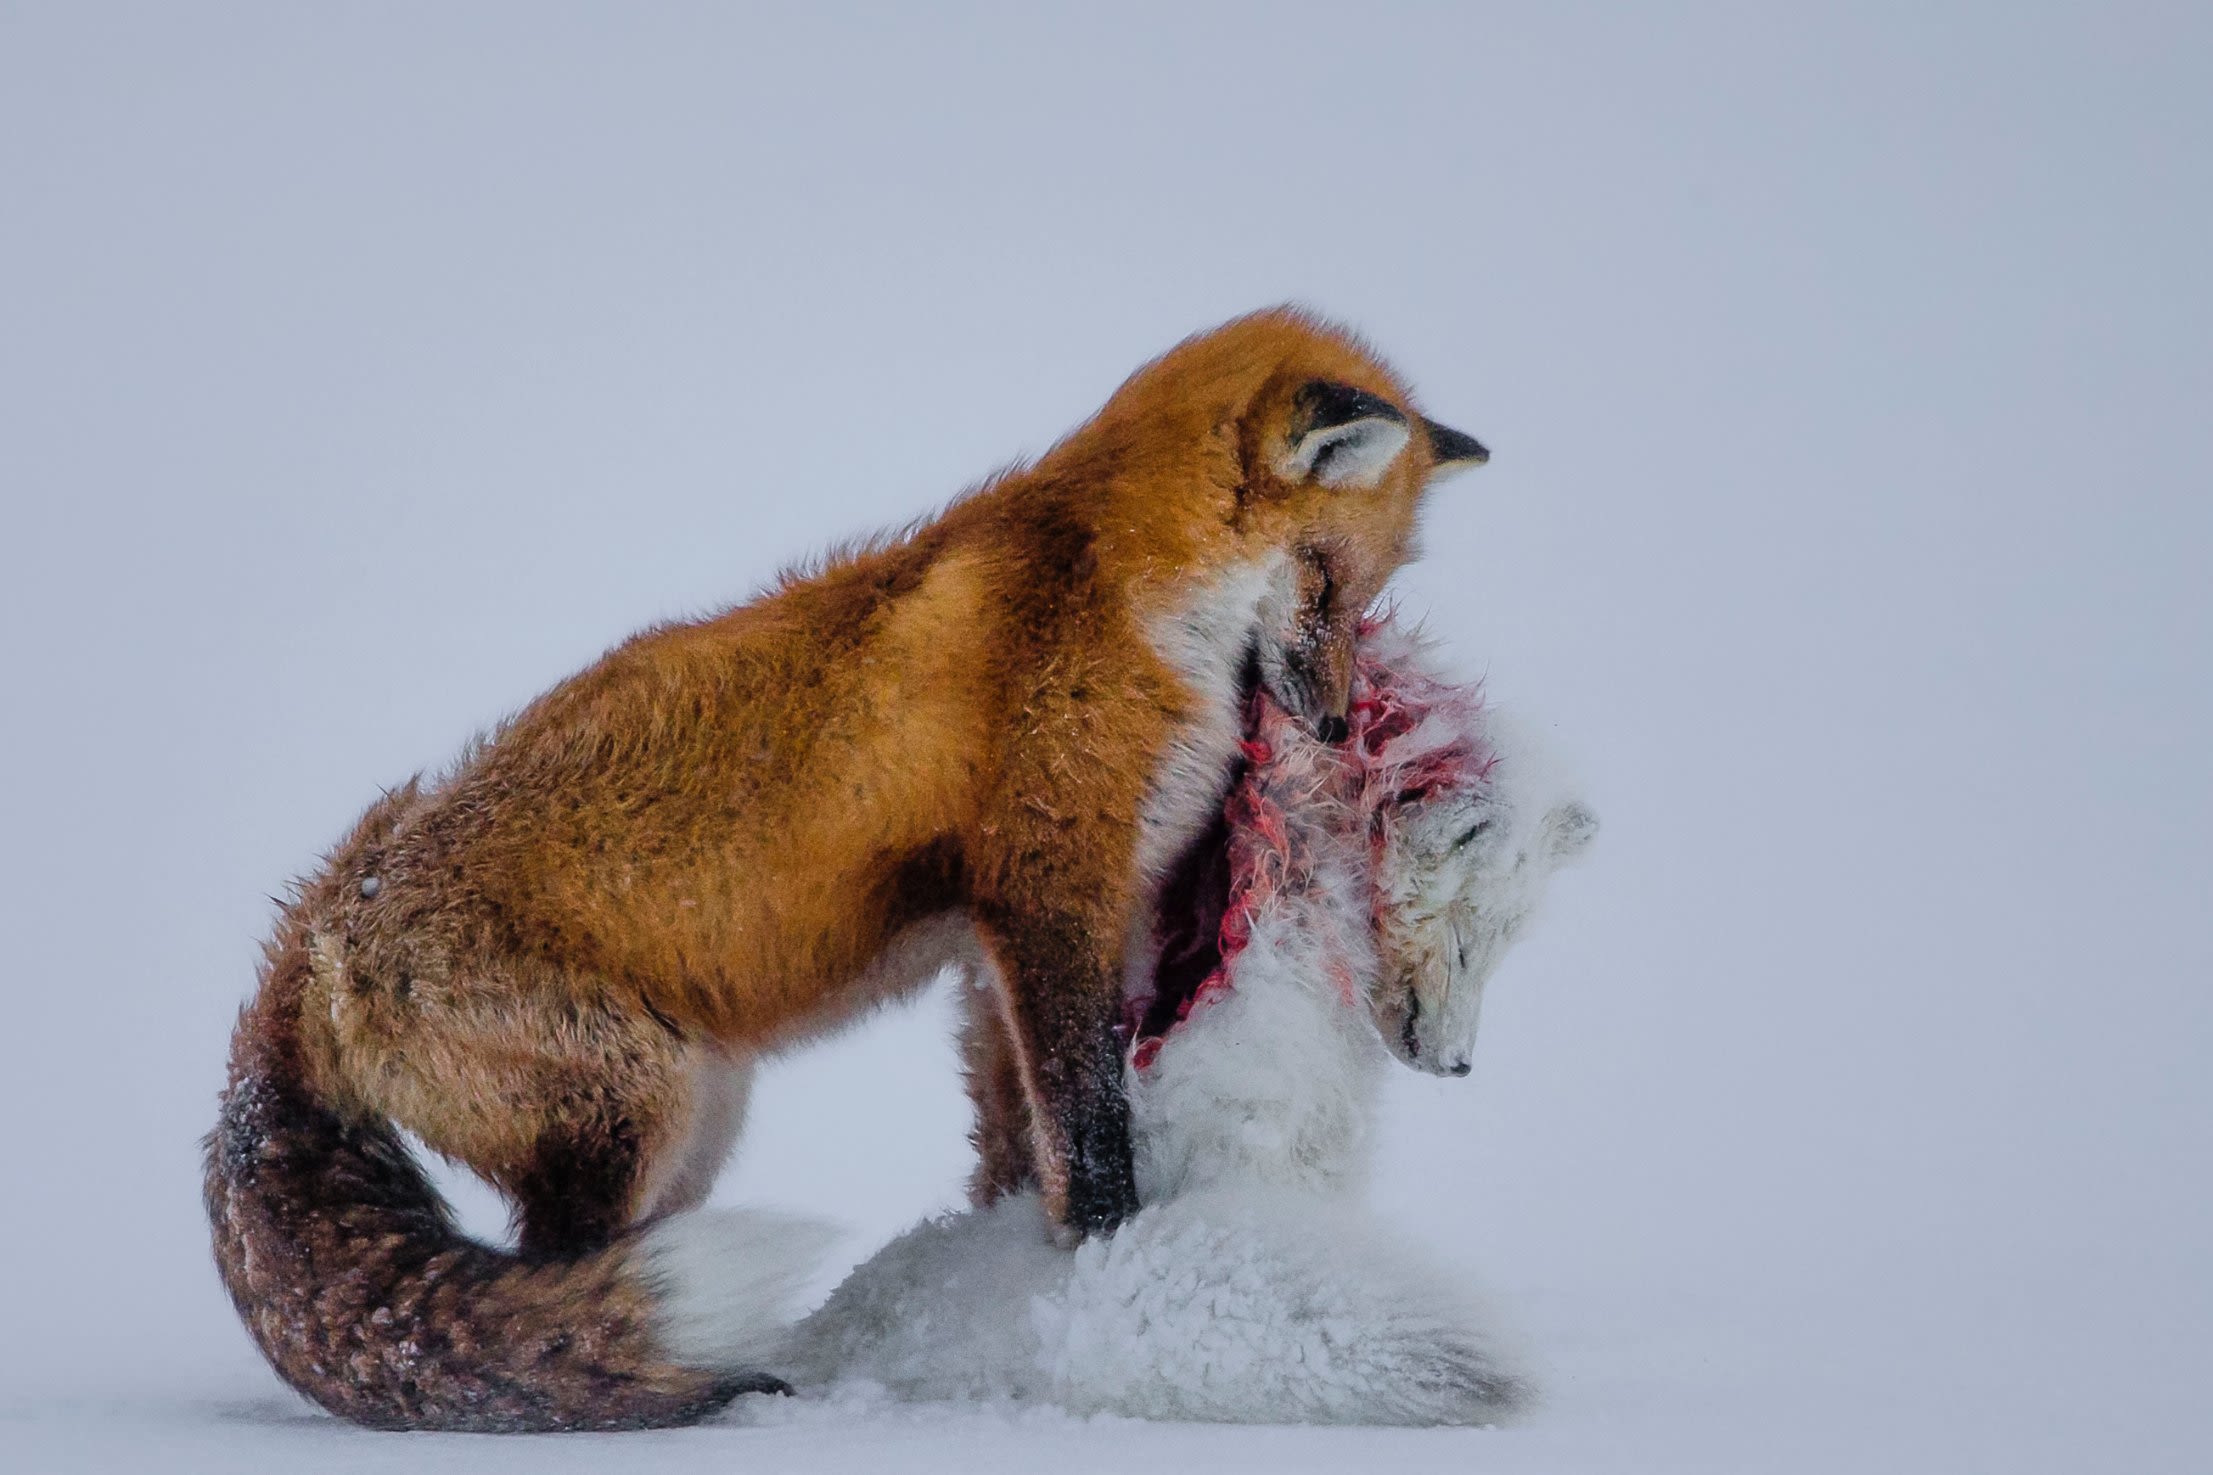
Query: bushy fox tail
x: 347, y: 1269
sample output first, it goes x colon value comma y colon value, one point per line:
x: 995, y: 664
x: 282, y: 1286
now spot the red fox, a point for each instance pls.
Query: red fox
x: 988, y: 741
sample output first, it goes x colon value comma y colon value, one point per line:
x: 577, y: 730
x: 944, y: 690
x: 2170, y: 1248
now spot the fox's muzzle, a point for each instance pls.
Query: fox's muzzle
x: 1329, y: 681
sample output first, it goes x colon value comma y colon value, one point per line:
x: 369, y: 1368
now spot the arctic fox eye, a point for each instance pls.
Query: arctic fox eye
x: 1473, y: 830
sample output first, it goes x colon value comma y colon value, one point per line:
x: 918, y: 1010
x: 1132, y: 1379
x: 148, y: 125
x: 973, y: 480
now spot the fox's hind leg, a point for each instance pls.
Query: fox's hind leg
x: 589, y: 1172
x: 577, y: 1111
x: 579, y: 1187
x: 645, y: 1140
x: 648, y: 1143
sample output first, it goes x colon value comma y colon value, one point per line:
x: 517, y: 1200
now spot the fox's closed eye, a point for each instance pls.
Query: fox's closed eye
x: 1472, y: 831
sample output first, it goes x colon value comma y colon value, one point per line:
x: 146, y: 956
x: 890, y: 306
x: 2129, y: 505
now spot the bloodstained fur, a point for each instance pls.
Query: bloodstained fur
x: 1408, y: 733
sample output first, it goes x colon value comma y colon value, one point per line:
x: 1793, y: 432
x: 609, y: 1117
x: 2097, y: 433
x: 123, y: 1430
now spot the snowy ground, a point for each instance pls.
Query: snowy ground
x: 366, y: 371
x: 1705, y: 1384
x: 1622, y: 1428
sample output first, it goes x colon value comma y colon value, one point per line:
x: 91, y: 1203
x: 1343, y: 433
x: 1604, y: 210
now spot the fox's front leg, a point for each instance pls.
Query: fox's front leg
x: 1060, y: 984
x: 992, y: 1065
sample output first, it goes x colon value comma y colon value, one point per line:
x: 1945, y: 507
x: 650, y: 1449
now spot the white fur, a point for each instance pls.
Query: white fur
x: 1449, y: 910
x: 1273, y: 1083
x: 1204, y: 642
x: 727, y: 1282
x: 1258, y: 1306
x: 1253, y: 1287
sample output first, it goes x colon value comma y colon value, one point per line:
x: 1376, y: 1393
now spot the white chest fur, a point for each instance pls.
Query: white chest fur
x: 1206, y: 642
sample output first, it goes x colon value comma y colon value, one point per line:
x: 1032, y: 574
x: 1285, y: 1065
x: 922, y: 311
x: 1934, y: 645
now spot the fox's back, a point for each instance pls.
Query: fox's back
x: 734, y: 799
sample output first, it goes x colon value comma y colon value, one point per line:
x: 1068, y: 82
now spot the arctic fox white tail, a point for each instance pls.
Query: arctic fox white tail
x: 1241, y: 1307
x: 726, y: 1282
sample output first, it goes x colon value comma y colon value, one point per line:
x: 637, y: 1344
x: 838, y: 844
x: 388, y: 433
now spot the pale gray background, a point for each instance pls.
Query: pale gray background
x: 364, y: 369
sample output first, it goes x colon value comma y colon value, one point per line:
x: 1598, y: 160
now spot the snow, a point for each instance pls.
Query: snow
x: 1845, y: 376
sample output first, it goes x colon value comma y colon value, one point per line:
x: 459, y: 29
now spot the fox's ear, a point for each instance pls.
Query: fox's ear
x: 1452, y: 450
x: 1568, y: 831
x: 1342, y: 436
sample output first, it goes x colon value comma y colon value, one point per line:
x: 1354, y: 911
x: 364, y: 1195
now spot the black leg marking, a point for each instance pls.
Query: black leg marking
x: 575, y: 1196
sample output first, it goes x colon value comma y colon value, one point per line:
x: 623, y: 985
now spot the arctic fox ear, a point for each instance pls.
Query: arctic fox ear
x: 1568, y: 831
x: 1342, y: 436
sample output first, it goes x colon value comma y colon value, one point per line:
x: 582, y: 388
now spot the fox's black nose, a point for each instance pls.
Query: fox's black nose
x: 1333, y: 730
x: 1463, y: 1067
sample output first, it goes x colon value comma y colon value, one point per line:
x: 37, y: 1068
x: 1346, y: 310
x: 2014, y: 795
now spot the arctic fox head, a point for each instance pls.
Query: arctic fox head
x: 1458, y: 875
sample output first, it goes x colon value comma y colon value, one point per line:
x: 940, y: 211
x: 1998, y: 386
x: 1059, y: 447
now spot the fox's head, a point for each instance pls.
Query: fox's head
x: 1281, y: 442
x: 1336, y: 464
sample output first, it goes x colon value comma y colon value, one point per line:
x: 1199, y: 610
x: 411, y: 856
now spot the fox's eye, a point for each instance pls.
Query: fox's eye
x: 1473, y: 830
